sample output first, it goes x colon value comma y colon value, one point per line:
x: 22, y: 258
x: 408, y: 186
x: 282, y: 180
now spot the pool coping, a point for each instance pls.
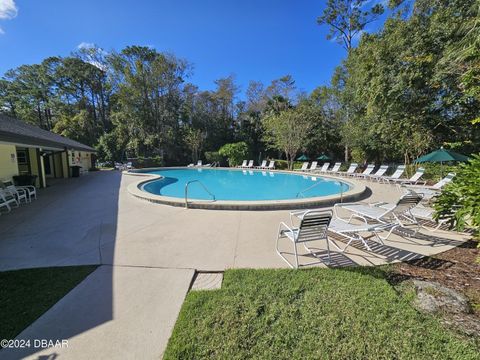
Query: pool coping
x: 356, y: 192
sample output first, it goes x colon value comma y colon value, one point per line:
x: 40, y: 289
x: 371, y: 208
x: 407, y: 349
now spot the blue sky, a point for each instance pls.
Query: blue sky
x: 254, y: 40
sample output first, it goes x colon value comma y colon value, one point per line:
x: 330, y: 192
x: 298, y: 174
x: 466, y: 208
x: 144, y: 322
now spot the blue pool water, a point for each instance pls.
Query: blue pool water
x: 242, y: 185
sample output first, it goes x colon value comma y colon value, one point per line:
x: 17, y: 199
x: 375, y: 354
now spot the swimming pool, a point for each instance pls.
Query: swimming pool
x: 241, y: 185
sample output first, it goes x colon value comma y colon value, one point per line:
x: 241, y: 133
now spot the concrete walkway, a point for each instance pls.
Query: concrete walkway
x: 149, y: 253
x: 115, y: 313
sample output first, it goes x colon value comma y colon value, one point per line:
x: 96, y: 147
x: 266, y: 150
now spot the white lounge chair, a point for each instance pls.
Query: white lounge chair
x: 263, y: 165
x: 395, y: 176
x: 244, y: 164
x: 6, y: 198
x: 250, y: 165
x: 434, y: 190
x: 353, y: 231
x: 271, y: 166
x: 313, y: 227
x: 335, y: 168
x: 368, y: 170
x: 378, y: 174
x: 421, y: 212
x: 199, y: 163
x: 323, y: 169
x: 351, y: 170
x: 414, y: 180
x: 304, y: 166
x: 313, y: 166
x: 396, y: 214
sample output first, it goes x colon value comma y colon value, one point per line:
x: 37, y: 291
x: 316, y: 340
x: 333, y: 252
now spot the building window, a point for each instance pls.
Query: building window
x: 23, y: 161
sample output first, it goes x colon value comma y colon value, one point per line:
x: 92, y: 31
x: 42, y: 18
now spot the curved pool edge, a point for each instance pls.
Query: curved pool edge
x: 357, y: 191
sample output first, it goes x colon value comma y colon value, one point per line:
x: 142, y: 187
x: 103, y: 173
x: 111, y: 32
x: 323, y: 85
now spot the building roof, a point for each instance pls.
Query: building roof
x: 19, y: 132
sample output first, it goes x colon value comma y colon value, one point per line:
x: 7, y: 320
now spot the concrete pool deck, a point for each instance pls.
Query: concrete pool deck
x: 94, y: 220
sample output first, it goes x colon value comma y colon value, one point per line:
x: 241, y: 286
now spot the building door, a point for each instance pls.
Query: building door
x: 47, y: 164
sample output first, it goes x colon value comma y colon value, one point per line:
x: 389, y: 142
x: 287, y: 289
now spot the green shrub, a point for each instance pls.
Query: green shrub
x: 235, y: 152
x: 358, y: 155
x: 435, y: 171
x: 297, y: 165
x: 213, y: 156
x: 281, y: 164
x: 459, y: 201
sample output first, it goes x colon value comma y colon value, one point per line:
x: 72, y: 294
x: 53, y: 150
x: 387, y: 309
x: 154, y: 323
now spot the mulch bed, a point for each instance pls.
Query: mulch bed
x: 458, y: 269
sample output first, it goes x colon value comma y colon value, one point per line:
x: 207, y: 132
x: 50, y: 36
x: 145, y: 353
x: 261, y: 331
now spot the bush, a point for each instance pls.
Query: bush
x: 435, y: 171
x: 213, y: 156
x: 358, y: 155
x: 297, y: 165
x: 281, y: 164
x: 235, y: 152
x: 460, y: 199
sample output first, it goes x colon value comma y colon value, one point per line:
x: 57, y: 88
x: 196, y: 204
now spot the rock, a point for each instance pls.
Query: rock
x: 433, y: 297
x: 450, y: 306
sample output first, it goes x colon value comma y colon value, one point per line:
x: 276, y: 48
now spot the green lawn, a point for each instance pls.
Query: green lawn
x: 27, y: 294
x: 309, y: 314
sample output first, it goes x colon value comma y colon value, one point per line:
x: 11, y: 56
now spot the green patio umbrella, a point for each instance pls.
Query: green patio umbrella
x: 442, y: 155
x: 303, y: 158
x: 323, y: 157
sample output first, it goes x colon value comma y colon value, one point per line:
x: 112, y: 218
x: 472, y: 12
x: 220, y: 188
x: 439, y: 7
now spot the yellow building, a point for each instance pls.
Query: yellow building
x: 29, y: 150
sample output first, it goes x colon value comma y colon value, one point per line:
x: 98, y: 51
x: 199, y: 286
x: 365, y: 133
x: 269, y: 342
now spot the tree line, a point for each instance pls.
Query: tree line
x: 409, y: 87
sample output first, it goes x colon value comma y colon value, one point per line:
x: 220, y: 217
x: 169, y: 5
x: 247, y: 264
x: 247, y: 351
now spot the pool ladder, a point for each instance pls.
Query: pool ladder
x: 314, y: 185
x: 186, y: 191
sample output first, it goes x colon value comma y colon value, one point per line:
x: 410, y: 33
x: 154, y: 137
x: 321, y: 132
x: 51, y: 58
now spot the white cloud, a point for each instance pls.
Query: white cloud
x: 8, y: 10
x: 83, y: 44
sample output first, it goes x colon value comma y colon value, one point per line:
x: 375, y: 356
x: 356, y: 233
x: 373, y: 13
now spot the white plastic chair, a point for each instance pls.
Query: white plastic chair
x: 6, y: 198
x: 19, y: 193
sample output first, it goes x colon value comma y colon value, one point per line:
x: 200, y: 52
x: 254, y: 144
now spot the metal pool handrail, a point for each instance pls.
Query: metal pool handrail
x: 310, y: 187
x: 314, y: 185
x: 186, y: 191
